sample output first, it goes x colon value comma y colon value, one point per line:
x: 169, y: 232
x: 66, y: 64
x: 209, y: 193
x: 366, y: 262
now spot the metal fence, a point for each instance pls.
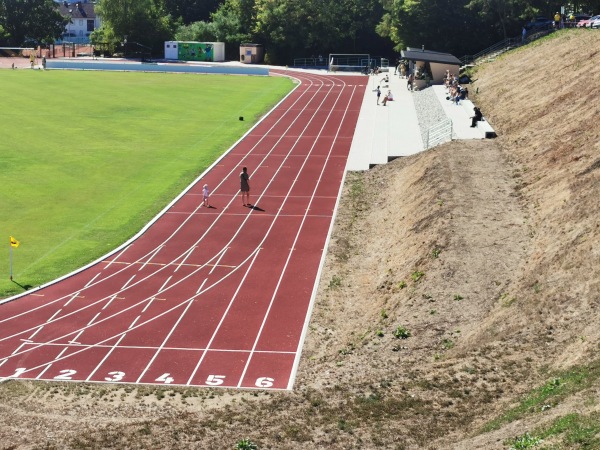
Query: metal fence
x: 319, y: 62
x: 503, y: 46
x: 438, y: 134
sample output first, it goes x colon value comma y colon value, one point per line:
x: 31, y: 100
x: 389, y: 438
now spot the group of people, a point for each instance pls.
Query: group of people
x: 401, y: 68
x: 387, y: 98
x: 33, y: 61
x: 244, y: 190
x: 456, y: 92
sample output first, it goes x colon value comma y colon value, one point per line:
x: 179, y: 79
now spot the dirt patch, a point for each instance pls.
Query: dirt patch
x: 456, y: 281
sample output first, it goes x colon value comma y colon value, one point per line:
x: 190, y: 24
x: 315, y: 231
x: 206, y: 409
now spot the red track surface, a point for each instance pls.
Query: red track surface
x: 206, y: 297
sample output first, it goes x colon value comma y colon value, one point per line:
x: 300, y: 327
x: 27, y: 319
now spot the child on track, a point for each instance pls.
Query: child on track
x: 205, y: 195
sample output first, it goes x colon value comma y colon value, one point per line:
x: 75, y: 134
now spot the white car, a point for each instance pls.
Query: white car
x: 595, y: 22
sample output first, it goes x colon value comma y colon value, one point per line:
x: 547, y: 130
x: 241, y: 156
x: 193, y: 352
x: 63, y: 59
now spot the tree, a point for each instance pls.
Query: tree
x: 441, y: 25
x: 30, y: 22
x: 290, y: 29
x: 189, y: 11
x: 139, y: 22
x: 225, y: 26
x: 507, y: 16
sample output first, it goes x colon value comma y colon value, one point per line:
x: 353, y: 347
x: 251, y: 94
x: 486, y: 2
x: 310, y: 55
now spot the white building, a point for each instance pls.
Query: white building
x: 82, y: 21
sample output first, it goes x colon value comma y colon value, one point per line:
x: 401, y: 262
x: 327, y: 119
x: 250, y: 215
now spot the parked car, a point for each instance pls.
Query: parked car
x: 539, y: 23
x: 572, y: 20
x: 595, y: 23
x: 578, y: 17
x: 586, y: 23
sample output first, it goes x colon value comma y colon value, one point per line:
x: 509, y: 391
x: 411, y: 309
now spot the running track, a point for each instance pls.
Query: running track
x: 206, y: 297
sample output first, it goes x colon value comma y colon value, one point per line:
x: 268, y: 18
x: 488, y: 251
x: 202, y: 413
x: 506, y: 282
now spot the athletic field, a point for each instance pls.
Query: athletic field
x: 89, y: 157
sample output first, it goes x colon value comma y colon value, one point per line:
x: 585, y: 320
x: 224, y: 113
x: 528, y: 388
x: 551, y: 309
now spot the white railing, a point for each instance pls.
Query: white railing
x: 438, y: 134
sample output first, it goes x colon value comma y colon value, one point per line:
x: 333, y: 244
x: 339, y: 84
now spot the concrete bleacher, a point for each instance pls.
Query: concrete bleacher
x: 461, y: 117
x: 384, y: 133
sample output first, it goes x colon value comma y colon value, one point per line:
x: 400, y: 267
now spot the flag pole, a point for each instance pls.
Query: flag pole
x: 11, y: 263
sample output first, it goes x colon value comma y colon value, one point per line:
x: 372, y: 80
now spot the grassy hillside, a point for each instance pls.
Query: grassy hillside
x: 458, y: 306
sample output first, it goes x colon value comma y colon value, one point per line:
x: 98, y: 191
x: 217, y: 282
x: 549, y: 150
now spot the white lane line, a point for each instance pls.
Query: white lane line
x: 73, y: 297
x: 59, y: 299
x: 187, y: 255
x: 201, y: 286
x: 89, y: 283
x: 217, y: 263
x: 160, y: 290
x: 151, y: 256
x: 19, y: 348
x: 58, y: 311
x: 131, y: 326
x: 108, y: 353
x: 48, y: 365
x: 134, y: 322
x: 167, y: 337
x: 300, y: 228
x: 75, y: 340
x: 115, y: 260
x: 223, y: 316
x: 109, y: 301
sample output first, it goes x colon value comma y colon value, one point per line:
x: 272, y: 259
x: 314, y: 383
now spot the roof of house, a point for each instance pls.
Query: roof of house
x: 78, y: 10
x: 419, y: 54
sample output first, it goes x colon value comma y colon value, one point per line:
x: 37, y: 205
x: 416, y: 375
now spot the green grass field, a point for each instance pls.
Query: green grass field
x: 87, y: 158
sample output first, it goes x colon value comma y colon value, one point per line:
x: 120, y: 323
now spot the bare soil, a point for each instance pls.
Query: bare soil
x: 456, y: 281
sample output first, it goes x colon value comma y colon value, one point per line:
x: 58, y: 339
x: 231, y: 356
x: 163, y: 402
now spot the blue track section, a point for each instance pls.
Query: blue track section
x: 210, y: 68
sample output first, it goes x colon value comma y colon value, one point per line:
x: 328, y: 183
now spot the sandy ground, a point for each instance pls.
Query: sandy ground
x: 456, y: 281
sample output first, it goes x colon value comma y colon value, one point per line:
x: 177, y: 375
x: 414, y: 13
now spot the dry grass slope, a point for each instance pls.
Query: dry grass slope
x: 458, y: 307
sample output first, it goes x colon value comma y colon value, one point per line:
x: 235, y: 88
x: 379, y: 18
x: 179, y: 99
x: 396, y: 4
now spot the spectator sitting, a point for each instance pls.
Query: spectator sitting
x: 452, y: 93
x: 447, y: 78
x: 476, y: 118
x: 460, y: 94
x: 385, y: 100
x: 390, y: 96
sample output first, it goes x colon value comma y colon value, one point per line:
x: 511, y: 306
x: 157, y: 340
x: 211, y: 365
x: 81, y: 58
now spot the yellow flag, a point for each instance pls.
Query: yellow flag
x: 13, y: 242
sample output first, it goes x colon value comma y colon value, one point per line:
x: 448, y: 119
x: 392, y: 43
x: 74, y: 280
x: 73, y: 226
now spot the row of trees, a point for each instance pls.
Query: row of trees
x: 27, y: 22
x: 294, y: 28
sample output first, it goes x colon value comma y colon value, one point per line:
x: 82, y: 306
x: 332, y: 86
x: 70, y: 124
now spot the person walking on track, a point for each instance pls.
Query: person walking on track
x: 245, y: 186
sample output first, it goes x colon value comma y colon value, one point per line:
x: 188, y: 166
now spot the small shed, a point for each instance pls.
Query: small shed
x: 195, y: 51
x: 430, y: 62
x: 251, y: 53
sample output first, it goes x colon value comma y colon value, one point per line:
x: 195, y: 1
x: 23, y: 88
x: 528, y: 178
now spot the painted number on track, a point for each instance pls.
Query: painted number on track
x: 115, y: 376
x: 18, y: 372
x: 66, y: 374
x: 264, y: 382
x: 215, y: 380
x: 165, y: 378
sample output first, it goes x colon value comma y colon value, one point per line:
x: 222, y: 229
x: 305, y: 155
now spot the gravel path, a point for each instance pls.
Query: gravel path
x: 429, y: 110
